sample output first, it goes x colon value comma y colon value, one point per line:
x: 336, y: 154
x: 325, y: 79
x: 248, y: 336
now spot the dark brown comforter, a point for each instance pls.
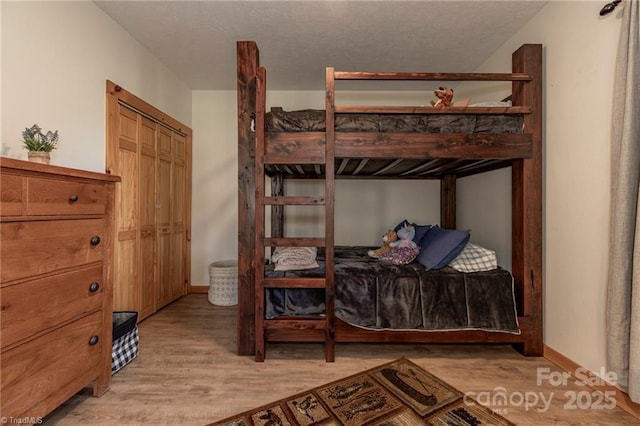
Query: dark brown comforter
x: 314, y: 121
x: 374, y: 295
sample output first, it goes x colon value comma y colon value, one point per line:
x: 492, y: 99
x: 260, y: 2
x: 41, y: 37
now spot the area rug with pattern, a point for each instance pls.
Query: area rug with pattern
x: 399, y: 393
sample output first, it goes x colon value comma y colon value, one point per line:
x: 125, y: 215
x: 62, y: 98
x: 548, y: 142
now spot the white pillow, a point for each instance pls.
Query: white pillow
x: 294, y: 258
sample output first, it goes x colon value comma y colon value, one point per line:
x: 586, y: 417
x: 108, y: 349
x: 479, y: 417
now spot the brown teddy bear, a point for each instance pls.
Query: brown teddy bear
x: 445, y: 98
x: 389, y: 237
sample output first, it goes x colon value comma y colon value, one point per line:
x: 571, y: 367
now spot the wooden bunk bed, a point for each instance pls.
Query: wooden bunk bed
x: 443, y: 156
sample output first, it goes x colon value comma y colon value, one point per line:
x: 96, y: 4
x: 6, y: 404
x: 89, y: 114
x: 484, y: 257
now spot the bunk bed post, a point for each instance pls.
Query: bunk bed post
x: 247, y: 64
x: 448, y: 202
x: 259, y: 232
x: 329, y: 195
x: 527, y: 199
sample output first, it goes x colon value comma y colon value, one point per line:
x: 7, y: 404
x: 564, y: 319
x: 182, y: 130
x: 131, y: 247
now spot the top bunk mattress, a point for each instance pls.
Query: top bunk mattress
x: 314, y: 121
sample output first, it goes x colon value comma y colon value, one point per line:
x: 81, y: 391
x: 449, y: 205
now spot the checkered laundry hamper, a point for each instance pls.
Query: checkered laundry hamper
x: 125, y: 340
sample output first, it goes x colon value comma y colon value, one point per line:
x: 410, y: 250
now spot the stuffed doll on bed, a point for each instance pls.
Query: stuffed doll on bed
x: 404, y: 250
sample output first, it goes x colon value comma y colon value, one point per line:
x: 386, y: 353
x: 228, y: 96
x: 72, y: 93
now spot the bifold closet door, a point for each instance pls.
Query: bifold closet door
x: 150, y: 248
x: 126, y: 164
x: 147, y: 215
x: 135, y: 253
x: 164, y: 295
x: 178, y: 222
x: 171, y: 215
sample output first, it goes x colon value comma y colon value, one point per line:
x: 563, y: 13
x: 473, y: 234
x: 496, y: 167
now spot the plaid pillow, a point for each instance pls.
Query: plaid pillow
x: 474, y: 258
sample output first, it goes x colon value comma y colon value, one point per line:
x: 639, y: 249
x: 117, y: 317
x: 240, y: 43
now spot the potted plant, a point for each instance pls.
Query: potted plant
x: 38, y: 144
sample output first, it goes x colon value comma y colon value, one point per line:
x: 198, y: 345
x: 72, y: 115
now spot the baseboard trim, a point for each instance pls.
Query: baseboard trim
x: 198, y: 289
x: 622, y: 399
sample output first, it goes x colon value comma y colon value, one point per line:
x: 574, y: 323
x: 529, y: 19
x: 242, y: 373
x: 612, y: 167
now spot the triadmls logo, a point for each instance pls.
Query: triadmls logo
x: 500, y: 398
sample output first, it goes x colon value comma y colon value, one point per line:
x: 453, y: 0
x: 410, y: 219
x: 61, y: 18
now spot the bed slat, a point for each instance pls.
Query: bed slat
x: 297, y: 283
x: 297, y: 323
x: 294, y: 201
x: 429, y: 145
x: 309, y: 146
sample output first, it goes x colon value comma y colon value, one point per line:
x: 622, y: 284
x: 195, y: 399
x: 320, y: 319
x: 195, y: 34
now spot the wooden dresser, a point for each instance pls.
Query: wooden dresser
x: 56, y: 255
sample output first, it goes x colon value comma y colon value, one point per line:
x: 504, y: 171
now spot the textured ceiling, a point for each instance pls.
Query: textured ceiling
x: 298, y: 39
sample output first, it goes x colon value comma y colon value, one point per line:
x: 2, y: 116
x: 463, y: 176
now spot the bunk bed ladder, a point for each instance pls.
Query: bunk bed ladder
x: 315, y: 328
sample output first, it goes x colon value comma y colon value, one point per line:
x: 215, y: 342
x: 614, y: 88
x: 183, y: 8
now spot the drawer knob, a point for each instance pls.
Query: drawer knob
x: 94, y: 340
x: 73, y: 198
x: 95, y: 240
x: 95, y: 286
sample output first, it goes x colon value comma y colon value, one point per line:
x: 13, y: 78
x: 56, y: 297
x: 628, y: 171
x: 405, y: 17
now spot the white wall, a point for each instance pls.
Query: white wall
x: 484, y: 208
x: 579, y: 55
x: 56, y: 58
x: 214, y: 217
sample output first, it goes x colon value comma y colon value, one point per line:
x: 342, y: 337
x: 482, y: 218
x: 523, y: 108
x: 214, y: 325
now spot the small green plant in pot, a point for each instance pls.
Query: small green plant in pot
x: 39, y: 144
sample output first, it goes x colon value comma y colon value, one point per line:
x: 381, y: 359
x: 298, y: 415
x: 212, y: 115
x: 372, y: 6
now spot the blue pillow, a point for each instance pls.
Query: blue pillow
x: 421, y: 231
x: 440, y: 246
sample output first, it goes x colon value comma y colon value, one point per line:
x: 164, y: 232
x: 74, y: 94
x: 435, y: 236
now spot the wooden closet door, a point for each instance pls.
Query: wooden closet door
x: 165, y: 291
x: 135, y: 285
x: 147, y: 215
x: 178, y: 203
x: 125, y: 164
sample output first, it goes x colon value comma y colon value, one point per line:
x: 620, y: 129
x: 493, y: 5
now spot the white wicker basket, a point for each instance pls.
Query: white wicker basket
x: 223, y: 283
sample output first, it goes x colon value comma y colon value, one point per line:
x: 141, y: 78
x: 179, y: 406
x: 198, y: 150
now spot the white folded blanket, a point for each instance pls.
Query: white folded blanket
x: 294, y: 258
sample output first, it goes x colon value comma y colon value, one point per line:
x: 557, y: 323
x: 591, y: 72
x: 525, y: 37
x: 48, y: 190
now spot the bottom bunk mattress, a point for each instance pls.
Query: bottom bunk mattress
x: 375, y: 295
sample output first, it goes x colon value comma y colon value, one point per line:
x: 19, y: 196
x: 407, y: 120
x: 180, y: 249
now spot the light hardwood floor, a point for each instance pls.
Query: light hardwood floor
x: 187, y: 373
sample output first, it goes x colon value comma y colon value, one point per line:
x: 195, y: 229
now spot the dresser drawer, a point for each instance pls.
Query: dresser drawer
x: 41, y: 374
x: 11, y: 195
x: 30, y: 248
x: 29, y: 307
x: 54, y: 197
